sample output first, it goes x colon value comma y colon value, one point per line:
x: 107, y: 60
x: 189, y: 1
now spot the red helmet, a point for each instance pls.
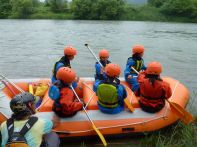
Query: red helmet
x: 113, y: 70
x: 104, y: 53
x: 154, y: 68
x: 70, y: 51
x: 66, y: 74
x: 138, y: 49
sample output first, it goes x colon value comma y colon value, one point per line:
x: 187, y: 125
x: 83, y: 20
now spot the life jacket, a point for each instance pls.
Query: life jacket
x: 17, y: 139
x: 66, y: 106
x: 63, y: 60
x: 107, y: 95
x: 138, y: 64
x: 152, y: 95
x: 100, y: 76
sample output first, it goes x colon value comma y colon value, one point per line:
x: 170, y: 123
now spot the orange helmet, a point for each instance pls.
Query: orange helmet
x: 112, y: 70
x: 154, y: 68
x: 104, y: 53
x: 66, y: 74
x: 138, y: 49
x: 70, y: 51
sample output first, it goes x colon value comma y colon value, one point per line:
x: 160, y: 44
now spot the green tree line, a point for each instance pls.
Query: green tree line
x: 158, y: 10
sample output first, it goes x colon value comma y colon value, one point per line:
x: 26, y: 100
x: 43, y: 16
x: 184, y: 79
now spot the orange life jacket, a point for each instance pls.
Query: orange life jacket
x: 67, y: 105
x: 152, y: 94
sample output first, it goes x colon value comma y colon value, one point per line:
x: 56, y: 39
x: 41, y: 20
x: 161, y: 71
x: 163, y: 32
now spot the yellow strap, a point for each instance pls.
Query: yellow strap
x: 100, y: 135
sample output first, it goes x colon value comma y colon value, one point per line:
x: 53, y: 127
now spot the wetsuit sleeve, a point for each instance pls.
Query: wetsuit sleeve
x: 47, y: 126
x: 74, y: 84
x: 98, y: 68
x: 122, y: 94
x: 59, y: 65
x: 167, y: 89
x: 96, y: 84
x: 127, y: 70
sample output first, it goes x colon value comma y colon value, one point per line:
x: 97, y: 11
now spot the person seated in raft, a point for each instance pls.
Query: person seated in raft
x: 103, y: 55
x: 153, y: 90
x: 137, y: 62
x: 100, y: 74
x: 65, y: 102
x: 39, y: 130
x: 110, y: 92
x: 69, y: 53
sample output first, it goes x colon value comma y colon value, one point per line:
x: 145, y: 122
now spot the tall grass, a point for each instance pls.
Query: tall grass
x: 177, y: 135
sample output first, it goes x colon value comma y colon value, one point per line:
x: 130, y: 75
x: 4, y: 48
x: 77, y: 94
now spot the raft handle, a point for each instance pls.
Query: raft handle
x: 128, y: 129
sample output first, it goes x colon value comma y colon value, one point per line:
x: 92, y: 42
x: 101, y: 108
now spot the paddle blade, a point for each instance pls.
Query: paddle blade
x: 131, y: 108
x: 100, y: 135
x: 185, y: 116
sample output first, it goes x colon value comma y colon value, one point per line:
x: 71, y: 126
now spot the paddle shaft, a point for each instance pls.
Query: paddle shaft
x: 93, y: 125
x: 135, y: 70
x: 82, y: 103
x: 18, y: 88
x: 8, y: 86
x: 93, y: 54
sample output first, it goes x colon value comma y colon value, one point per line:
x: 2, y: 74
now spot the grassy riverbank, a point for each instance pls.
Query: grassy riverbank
x: 177, y: 135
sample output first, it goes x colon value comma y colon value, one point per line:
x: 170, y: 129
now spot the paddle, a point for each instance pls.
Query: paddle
x: 93, y: 125
x: 126, y: 100
x: 185, y: 116
x: 8, y: 86
x: 14, y: 85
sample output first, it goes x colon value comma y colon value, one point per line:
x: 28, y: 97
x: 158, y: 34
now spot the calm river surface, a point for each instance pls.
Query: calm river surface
x: 29, y: 48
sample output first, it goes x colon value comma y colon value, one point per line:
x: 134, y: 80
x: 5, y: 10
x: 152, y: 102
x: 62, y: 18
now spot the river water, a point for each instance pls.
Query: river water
x: 29, y: 48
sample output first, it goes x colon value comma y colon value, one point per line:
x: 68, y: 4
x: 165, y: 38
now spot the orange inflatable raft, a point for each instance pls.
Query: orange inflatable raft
x: 108, y: 124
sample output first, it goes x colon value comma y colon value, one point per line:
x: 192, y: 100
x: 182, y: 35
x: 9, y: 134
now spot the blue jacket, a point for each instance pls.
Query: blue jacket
x: 63, y: 62
x: 99, y: 75
x: 132, y: 62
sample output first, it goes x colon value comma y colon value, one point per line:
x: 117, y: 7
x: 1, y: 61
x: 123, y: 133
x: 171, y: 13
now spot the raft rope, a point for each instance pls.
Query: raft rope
x: 116, y: 126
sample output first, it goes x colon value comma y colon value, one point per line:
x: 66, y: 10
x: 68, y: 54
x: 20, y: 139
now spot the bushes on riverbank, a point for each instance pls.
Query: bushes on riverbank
x: 154, y: 10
